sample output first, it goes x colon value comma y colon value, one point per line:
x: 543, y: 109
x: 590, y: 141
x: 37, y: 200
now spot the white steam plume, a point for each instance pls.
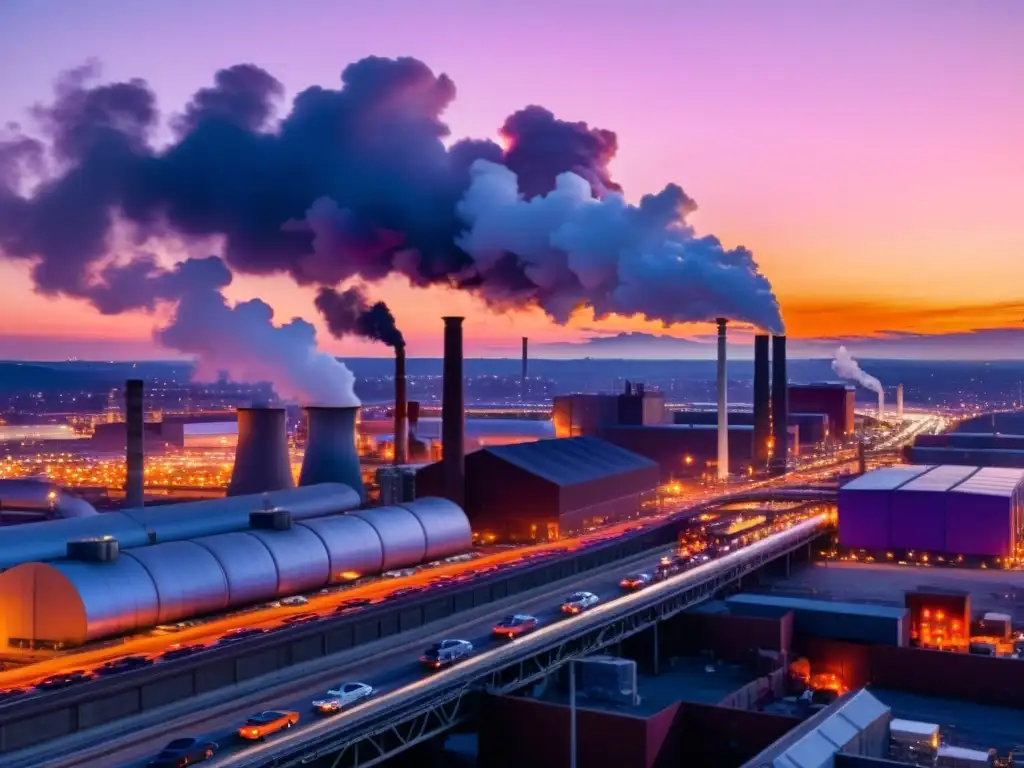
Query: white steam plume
x: 612, y: 256
x: 242, y: 340
x: 846, y: 367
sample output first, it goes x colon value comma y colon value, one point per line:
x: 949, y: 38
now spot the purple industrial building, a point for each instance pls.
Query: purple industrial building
x: 976, y: 512
x: 981, y: 449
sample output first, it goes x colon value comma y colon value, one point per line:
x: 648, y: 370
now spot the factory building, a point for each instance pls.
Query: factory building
x: 585, y: 415
x: 479, y: 432
x: 974, y: 448
x: 551, y: 488
x: 948, y: 510
x: 834, y: 399
x: 684, y: 451
x: 100, y: 591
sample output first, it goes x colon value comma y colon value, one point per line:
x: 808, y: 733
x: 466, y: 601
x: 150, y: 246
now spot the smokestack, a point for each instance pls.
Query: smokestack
x: 261, y: 456
x: 453, y: 415
x: 413, y: 412
x: 881, y: 404
x: 899, y: 402
x: 331, y: 454
x: 780, y: 404
x: 723, y: 404
x: 522, y: 384
x: 401, y: 409
x: 135, y: 455
x: 762, y: 400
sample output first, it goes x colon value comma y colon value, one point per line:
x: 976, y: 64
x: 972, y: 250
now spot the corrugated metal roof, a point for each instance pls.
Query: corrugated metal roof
x: 830, y: 606
x: 572, y: 460
x: 887, y: 478
x: 992, y: 481
x: 940, y: 478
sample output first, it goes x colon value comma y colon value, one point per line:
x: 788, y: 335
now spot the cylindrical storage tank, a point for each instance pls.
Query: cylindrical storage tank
x: 247, y: 564
x: 103, y: 550
x: 301, y: 559
x: 446, y: 526
x: 43, y: 496
x: 74, y: 603
x: 189, y: 580
x: 400, y: 531
x: 353, y: 545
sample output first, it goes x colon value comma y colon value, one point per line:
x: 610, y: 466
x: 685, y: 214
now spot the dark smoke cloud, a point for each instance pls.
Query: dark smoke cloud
x: 349, y: 312
x: 355, y: 182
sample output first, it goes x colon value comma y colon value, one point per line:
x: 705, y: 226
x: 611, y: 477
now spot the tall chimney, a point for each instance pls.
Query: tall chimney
x: 401, y: 409
x: 780, y: 404
x: 261, y: 456
x: 331, y: 454
x: 453, y: 414
x: 134, y: 495
x: 899, y: 402
x: 723, y: 404
x: 881, y: 404
x: 522, y: 382
x: 762, y: 400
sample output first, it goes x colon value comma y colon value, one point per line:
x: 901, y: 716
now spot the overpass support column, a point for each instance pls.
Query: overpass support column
x: 655, y: 665
x: 787, y: 564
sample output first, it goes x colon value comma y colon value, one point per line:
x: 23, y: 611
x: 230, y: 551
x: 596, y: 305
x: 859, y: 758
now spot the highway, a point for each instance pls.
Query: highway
x: 154, y: 643
x: 393, y: 665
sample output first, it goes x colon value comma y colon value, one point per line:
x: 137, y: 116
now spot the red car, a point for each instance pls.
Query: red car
x: 515, y: 625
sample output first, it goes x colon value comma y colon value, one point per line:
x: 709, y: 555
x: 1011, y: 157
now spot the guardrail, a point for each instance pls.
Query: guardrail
x: 440, y: 695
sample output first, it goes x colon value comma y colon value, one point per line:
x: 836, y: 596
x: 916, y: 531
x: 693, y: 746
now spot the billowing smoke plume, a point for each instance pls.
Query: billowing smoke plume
x: 846, y: 367
x: 355, y: 182
x: 349, y: 312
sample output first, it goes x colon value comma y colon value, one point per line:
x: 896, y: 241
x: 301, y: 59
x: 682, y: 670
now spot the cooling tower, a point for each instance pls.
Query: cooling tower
x: 331, y: 453
x: 780, y: 404
x: 899, y: 402
x: 261, y: 457
x: 762, y: 401
x: 135, y: 452
x: 723, y: 404
x: 522, y: 381
x: 401, y: 409
x: 453, y: 414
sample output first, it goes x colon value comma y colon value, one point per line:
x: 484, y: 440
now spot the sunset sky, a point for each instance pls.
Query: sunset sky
x: 871, y: 154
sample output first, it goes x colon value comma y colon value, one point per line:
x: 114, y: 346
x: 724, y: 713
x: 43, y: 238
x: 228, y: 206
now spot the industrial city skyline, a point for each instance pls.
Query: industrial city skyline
x: 875, y: 193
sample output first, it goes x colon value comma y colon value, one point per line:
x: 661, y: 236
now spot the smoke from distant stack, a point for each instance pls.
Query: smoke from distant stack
x: 846, y: 367
x: 353, y: 183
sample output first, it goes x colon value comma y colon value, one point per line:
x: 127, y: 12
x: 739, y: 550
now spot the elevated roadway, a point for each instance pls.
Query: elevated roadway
x: 411, y: 706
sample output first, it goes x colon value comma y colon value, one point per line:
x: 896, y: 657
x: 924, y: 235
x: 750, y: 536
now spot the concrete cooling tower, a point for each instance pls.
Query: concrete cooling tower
x: 261, y: 457
x: 331, y: 453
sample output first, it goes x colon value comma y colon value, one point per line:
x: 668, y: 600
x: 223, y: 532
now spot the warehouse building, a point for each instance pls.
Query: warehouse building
x: 978, y: 449
x: 684, y: 451
x: 951, y: 510
x: 585, y: 415
x: 807, y: 428
x: 551, y: 488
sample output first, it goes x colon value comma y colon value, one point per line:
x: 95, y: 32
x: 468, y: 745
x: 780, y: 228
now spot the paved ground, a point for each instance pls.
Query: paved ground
x: 990, y: 590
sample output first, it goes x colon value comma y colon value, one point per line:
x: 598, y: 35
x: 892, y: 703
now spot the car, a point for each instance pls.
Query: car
x: 63, y: 680
x: 258, y: 727
x: 236, y: 635
x: 400, y: 574
x: 183, y: 752
x: 515, y: 625
x: 405, y: 592
x: 181, y: 652
x: 636, y: 581
x: 300, y: 618
x: 343, y: 696
x: 295, y: 600
x: 445, y: 652
x: 127, y: 664
x: 578, y: 602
